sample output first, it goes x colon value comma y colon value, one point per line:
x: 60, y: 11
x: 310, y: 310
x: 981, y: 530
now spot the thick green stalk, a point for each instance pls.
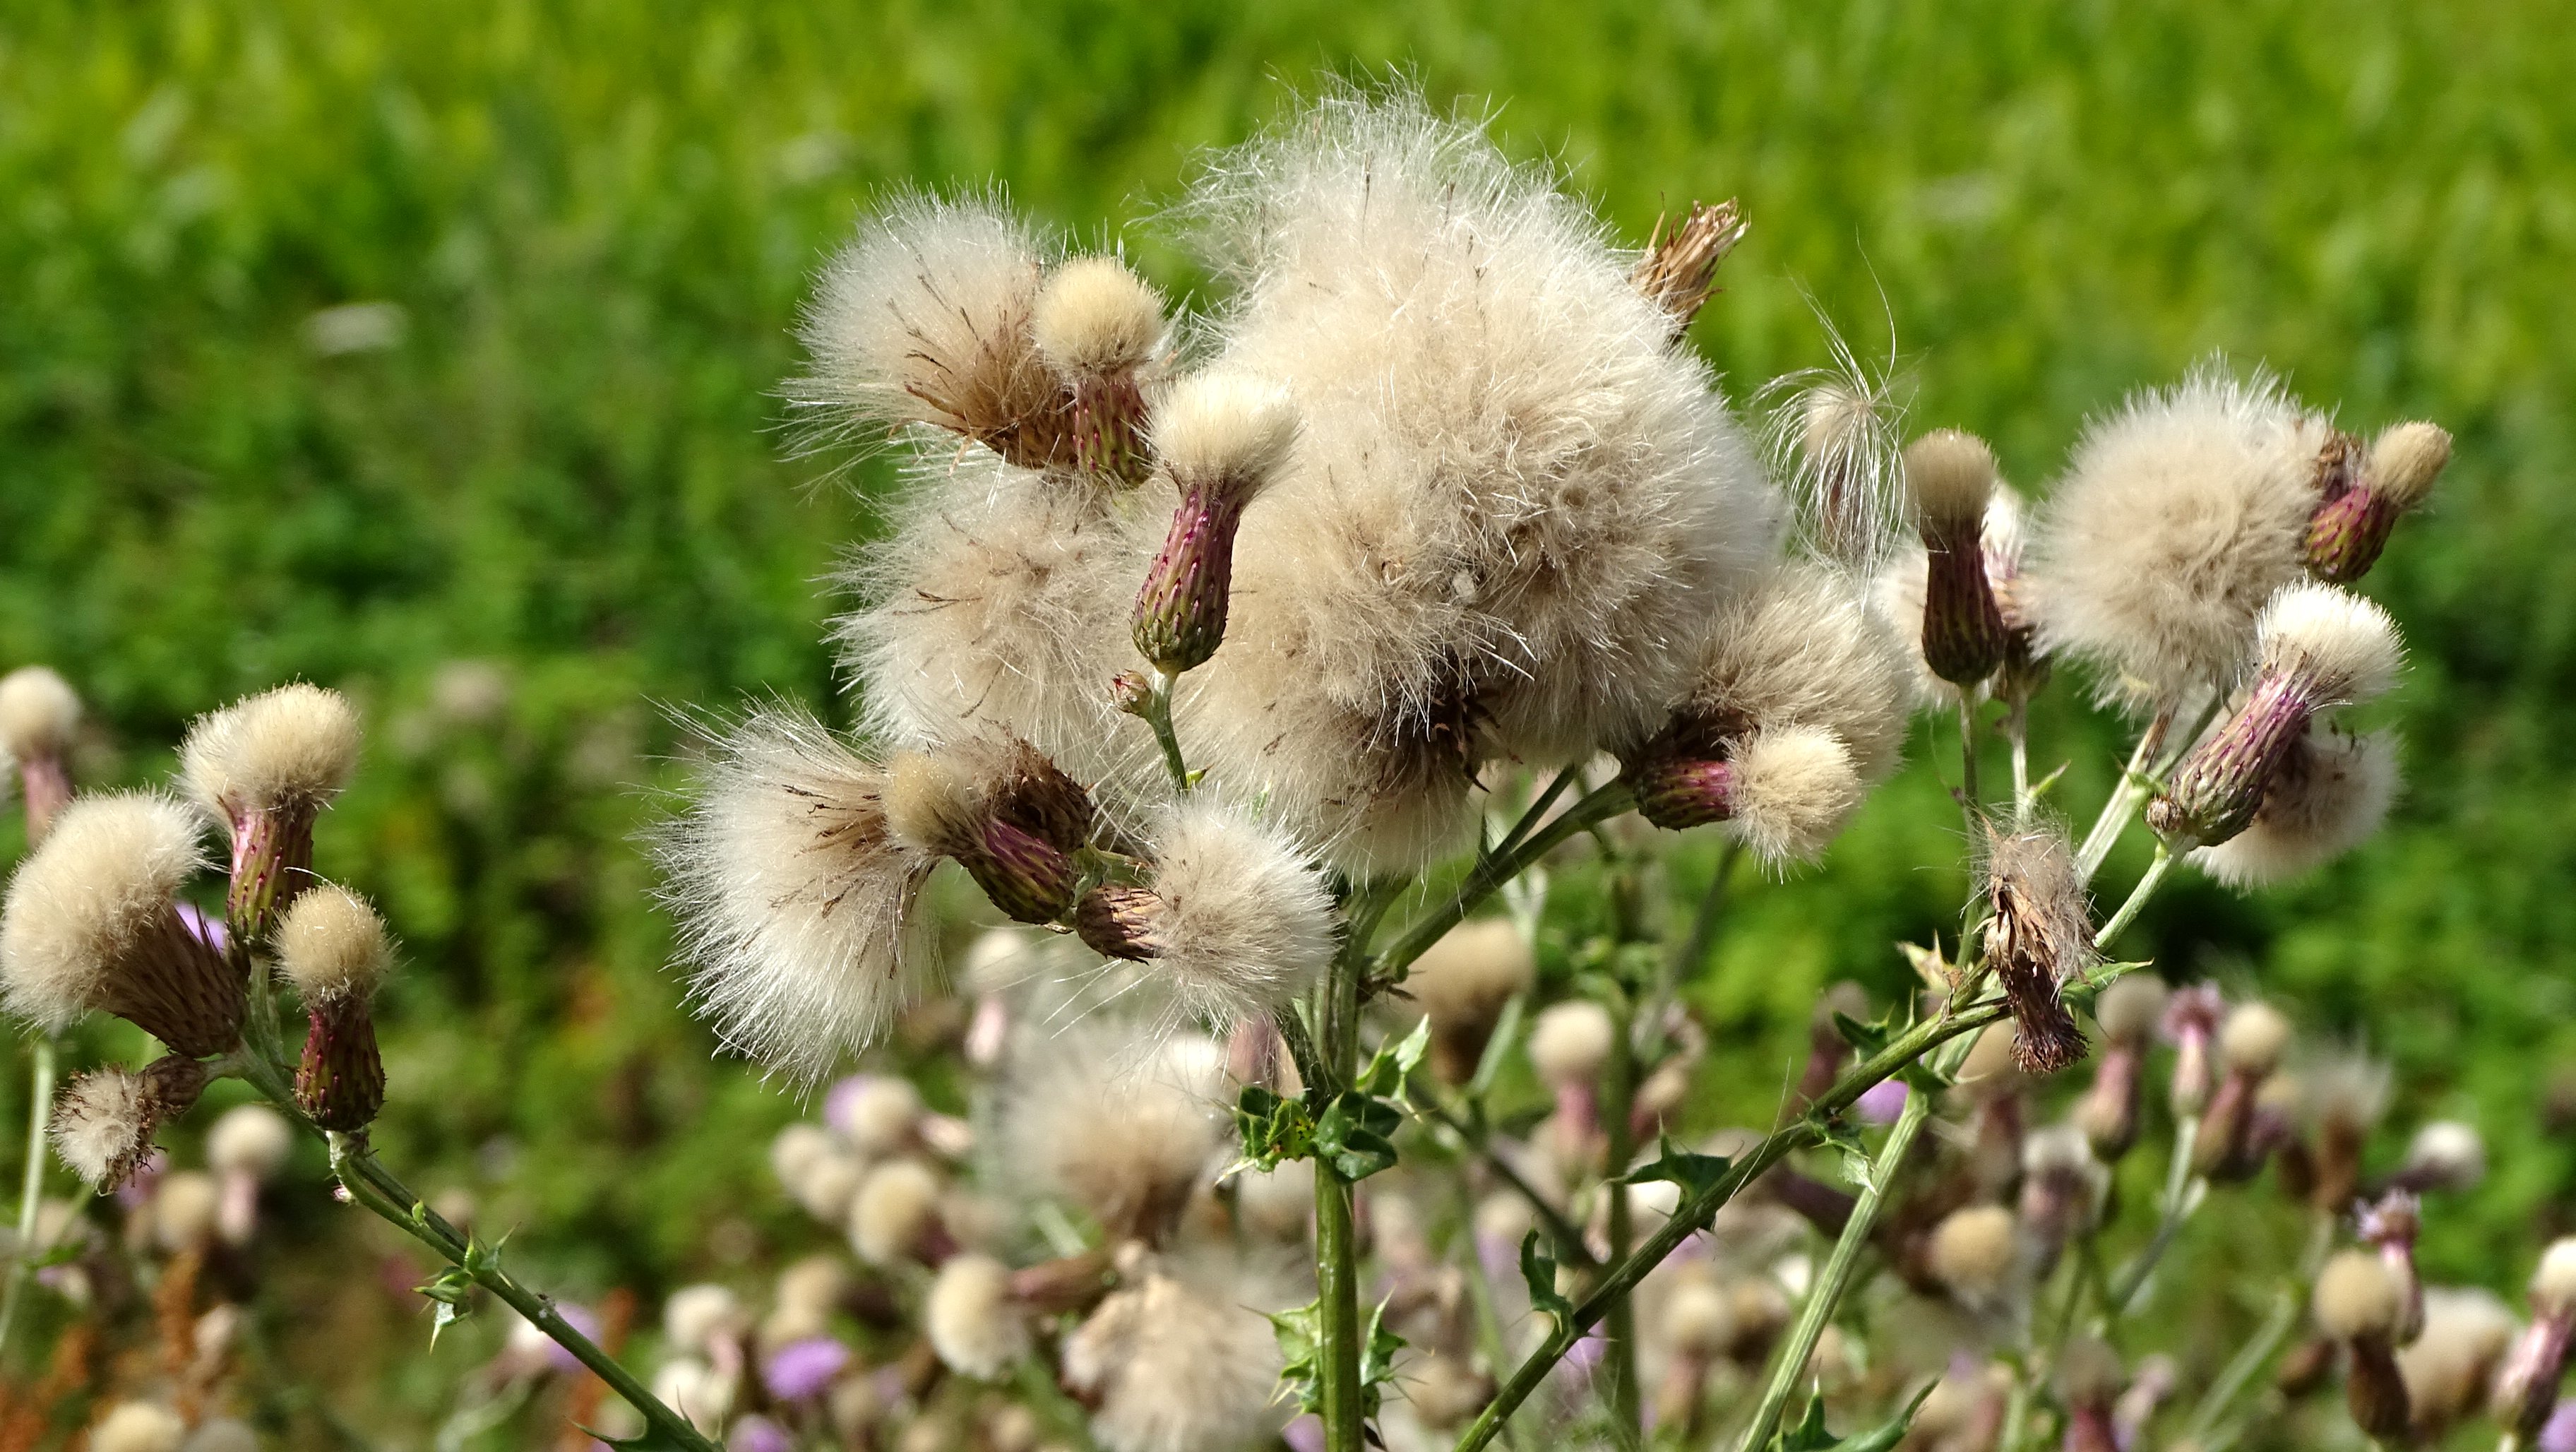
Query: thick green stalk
x: 1791, y: 1363
x: 1344, y: 1409
x: 31, y: 1185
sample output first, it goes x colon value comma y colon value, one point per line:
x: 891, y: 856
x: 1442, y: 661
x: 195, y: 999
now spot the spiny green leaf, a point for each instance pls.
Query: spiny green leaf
x: 651, y: 1439
x: 1394, y: 1063
x: 1695, y: 1173
x: 1810, y: 1434
x: 1867, y: 1038
x: 1299, y: 1332
x: 1538, y: 1271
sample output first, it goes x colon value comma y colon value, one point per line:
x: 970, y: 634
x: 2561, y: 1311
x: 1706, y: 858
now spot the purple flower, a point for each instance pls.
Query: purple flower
x: 1306, y: 1434
x: 2558, y: 1434
x: 1882, y: 1101
x: 759, y: 1434
x: 801, y: 1369
x: 208, y: 927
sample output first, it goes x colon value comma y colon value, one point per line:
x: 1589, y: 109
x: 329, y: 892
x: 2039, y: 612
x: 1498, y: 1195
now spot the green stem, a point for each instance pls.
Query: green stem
x: 1619, y: 1358
x: 2138, y: 895
x: 1696, y: 1210
x: 2170, y: 1211
x: 1158, y: 714
x: 1791, y: 1363
x: 1562, y: 1233
x: 2125, y: 797
x: 1496, y: 868
x: 1344, y: 1407
x: 1968, y: 760
x: 1538, y: 806
x: 375, y: 1187
x: 31, y: 1185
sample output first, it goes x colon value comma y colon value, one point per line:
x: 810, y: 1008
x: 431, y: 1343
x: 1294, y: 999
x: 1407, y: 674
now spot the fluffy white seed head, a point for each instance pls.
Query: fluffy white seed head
x: 250, y: 1139
x: 2466, y: 1331
x: 2446, y: 1155
x: 971, y: 1318
x: 794, y: 900
x: 926, y: 318
x: 895, y: 1208
x: 2344, y: 646
x: 2329, y: 796
x: 2356, y: 1296
x: 1805, y: 648
x: 1510, y: 502
x: 1093, y: 317
x: 1974, y: 1251
x: 2179, y: 516
x: 1243, y: 918
x: 1835, y: 432
x: 2406, y: 460
x: 185, y: 1204
x: 813, y: 1283
x: 332, y: 946
x: 1123, y: 1127
x: 2253, y: 1039
x: 88, y: 896
x: 2130, y: 1009
x: 1699, y: 1318
x: 1793, y: 791
x: 138, y: 1427
x: 1950, y: 476
x: 1175, y: 1367
x: 1472, y: 971
x: 879, y: 1115
x: 1224, y: 430
x: 696, y: 1317
x: 292, y: 748
x: 1571, y: 1041
x: 2553, y: 1285
x: 38, y: 713
x: 102, y: 1123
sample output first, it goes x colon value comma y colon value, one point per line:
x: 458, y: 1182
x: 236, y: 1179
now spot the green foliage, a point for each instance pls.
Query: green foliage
x: 541, y: 486
x: 1301, y: 1348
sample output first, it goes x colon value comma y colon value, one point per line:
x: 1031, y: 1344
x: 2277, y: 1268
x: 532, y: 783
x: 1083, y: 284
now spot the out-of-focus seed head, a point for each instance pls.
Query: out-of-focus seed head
x: 1571, y: 1041
x: 1975, y: 1252
x: 972, y: 1321
x: 2356, y: 1297
x: 2253, y: 1040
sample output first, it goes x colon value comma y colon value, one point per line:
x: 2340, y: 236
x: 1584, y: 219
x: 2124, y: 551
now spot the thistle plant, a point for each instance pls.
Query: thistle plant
x: 1316, y: 691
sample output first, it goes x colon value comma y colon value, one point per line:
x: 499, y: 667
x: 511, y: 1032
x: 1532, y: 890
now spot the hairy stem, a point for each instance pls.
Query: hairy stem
x: 1158, y: 714
x: 372, y: 1185
x: 1791, y: 1362
x: 1344, y: 1409
x: 2125, y: 797
x: 31, y: 1185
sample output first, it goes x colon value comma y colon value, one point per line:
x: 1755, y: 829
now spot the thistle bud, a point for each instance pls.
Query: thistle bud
x: 1951, y: 477
x: 2040, y: 932
x: 2089, y: 1380
x: 1222, y: 439
x: 2389, y: 1227
x: 38, y: 713
x: 104, y: 1120
x: 2191, y: 1020
x: 2357, y: 1303
x: 91, y: 925
x: 2361, y: 497
x: 1679, y: 270
x: 1005, y: 812
x: 1117, y: 921
x: 1784, y: 792
x: 1098, y: 326
x: 2526, y: 1383
x: 2319, y: 648
x: 2108, y: 1113
x: 2251, y: 1043
x: 334, y: 949
x: 1129, y: 691
x: 266, y: 767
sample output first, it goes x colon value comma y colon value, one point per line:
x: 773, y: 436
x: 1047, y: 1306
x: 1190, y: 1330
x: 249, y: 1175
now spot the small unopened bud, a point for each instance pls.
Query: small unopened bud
x: 1679, y: 270
x: 1951, y: 476
x: 1222, y: 439
x: 1129, y: 691
x: 2319, y: 648
x: 2108, y: 1113
x: 1569, y: 1046
x: 1785, y: 792
x: 2191, y: 1020
x: 2040, y: 932
x: 2361, y: 498
x: 2252, y: 1043
x: 38, y: 714
x: 2089, y: 1380
x: 266, y: 767
x: 1098, y: 325
x: 334, y: 949
x: 2358, y: 1304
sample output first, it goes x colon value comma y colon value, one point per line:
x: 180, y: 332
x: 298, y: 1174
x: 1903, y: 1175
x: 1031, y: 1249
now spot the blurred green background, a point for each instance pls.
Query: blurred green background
x: 431, y: 351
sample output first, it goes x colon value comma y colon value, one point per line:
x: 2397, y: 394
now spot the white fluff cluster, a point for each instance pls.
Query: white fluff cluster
x: 1224, y: 426
x: 1175, y: 1366
x: 289, y: 749
x: 1806, y: 649
x: 331, y: 945
x: 1794, y: 789
x: 971, y: 1318
x: 795, y: 902
x: 1124, y: 1126
x: 1243, y: 919
x: 138, y: 1427
x: 2179, y: 517
x: 1512, y: 503
x: 89, y: 897
x: 2356, y: 1297
x: 38, y: 713
x: 251, y: 1140
x: 1094, y: 316
x: 2330, y: 794
x: 2341, y: 647
x: 103, y: 1123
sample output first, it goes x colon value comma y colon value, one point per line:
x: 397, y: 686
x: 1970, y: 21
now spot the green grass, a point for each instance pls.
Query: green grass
x: 597, y: 218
